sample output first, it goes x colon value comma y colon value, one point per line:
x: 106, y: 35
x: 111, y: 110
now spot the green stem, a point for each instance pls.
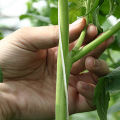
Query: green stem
x: 63, y: 65
x: 83, y: 33
x: 91, y: 46
x: 80, y: 40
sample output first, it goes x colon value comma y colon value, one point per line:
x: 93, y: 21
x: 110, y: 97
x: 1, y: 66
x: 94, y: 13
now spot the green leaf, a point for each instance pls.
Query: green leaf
x: 116, y: 44
x: 106, y: 85
x: 75, y: 12
x: 21, y: 17
x: 39, y: 17
x: 111, y: 3
x: 114, y: 108
x: 106, y: 25
x: 101, y: 2
x: 94, y: 6
x: 84, y: 116
x: 1, y: 35
x: 101, y: 99
x: 96, y: 20
x: 78, y: 2
x: 116, y: 11
x: 54, y: 12
x: 96, y: 16
x: 114, y: 80
x: 74, y: 1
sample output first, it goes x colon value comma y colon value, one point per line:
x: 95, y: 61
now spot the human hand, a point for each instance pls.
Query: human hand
x: 28, y: 61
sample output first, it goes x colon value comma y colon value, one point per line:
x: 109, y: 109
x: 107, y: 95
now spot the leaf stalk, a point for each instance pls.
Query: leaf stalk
x: 91, y: 46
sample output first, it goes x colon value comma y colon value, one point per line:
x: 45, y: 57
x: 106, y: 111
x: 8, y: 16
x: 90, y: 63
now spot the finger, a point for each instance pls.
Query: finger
x: 98, y: 67
x: 79, y: 66
x: 47, y: 36
x: 101, y: 48
x: 86, y: 89
x: 91, y: 33
x: 85, y: 99
x: 77, y: 102
x: 85, y: 77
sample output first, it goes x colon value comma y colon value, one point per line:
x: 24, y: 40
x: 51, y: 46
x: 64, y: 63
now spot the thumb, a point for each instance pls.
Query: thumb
x: 47, y: 36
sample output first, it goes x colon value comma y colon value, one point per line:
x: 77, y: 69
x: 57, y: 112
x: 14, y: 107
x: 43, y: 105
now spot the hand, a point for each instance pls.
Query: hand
x: 28, y: 61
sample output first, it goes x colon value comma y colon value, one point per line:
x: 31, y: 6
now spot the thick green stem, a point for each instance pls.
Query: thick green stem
x: 91, y: 46
x: 63, y: 65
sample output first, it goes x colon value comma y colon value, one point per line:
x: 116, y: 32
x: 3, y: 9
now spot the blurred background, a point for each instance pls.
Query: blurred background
x: 10, y: 10
x: 15, y: 14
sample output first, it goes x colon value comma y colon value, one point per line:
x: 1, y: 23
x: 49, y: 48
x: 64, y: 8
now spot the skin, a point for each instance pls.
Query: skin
x: 28, y: 60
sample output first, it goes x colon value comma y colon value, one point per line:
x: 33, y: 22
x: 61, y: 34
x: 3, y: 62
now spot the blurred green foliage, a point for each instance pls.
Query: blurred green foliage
x: 1, y: 35
x: 48, y: 14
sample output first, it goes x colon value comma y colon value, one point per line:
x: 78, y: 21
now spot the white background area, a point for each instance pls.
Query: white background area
x: 10, y: 10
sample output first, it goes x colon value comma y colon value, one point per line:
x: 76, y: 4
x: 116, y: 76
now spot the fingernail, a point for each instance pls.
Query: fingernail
x: 77, y: 21
x: 92, y: 30
x: 90, y: 62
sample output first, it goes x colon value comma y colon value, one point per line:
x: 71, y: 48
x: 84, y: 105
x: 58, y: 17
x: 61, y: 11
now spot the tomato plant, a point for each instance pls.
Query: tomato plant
x: 96, y: 12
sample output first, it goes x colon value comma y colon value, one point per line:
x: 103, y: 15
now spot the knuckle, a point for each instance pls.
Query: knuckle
x: 24, y: 30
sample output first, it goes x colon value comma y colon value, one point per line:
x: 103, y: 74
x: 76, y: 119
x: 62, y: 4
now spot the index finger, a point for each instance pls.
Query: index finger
x: 47, y: 36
